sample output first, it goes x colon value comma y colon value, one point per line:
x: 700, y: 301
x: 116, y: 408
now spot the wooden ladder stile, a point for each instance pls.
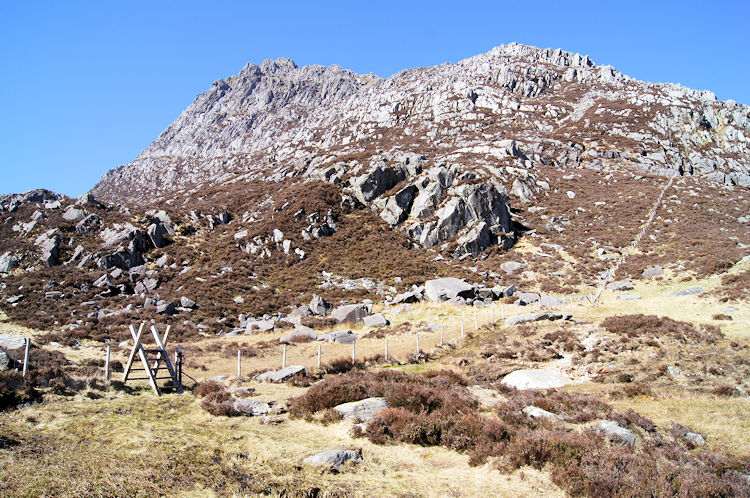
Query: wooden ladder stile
x: 151, y: 364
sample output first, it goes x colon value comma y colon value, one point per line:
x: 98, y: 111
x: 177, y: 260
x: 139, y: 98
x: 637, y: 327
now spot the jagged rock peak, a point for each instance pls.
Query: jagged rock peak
x: 276, y: 120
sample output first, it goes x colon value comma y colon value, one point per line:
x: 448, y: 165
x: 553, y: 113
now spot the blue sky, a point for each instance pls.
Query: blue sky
x: 87, y: 85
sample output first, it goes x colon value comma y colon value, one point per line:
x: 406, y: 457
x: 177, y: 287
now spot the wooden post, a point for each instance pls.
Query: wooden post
x: 442, y: 335
x: 386, y: 349
x: 319, y: 354
x: 239, y: 363
x: 354, y: 351
x: 283, y: 358
x: 26, y: 357
x: 417, y: 344
x: 106, y: 363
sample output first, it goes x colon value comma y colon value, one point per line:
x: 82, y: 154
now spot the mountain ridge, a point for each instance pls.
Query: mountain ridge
x: 279, y: 114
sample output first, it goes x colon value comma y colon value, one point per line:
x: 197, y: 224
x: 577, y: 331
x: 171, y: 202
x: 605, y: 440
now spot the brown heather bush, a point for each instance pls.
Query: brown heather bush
x: 203, y: 389
x: 721, y: 316
x: 632, y: 326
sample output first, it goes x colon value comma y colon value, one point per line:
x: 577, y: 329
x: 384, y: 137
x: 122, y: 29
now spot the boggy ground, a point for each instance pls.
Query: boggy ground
x: 660, y: 366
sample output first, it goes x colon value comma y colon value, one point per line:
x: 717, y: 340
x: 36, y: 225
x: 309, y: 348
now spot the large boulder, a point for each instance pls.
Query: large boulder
x: 350, y: 313
x: 362, y: 410
x: 122, y: 258
x: 443, y: 289
x: 87, y: 224
x: 615, y: 432
x: 254, y: 326
x: 341, y: 337
x: 377, y: 181
x: 281, y: 375
x: 300, y: 332
x: 250, y: 407
x: 5, y: 361
x: 8, y: 262
x: 157, y: 233
x: 319, y: 306
x: 397, y: 206
x: 690, y: 291
x: 536, y: 379
x: 654, y: 271
x: 510, y: 267
x: 376, y: 320
x: 12, y: 341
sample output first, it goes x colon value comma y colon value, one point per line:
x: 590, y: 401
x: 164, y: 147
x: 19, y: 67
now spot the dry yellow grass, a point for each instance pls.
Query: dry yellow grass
x: 170, y: 445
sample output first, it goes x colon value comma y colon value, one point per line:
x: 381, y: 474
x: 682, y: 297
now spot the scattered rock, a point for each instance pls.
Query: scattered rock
x: 300, y: 331
x: 362, y: 410
x: 8, y: 262
x: 4, y: 361
x: 536, y: 379
x: 444, y: 289
x: 690, y: 291
x: 281, y: 375
x: 250, y: 407
x: 254, y: 326
x: 526, y: 298
x: 334, y: 458
x: 376, y: 320
x: 695, y: 438
x: 88, y: 224
x: 536, y: 317
x: 621, y: 285
x: 615, y: 432
x: 673, y: 371
x: 350, y: 313
x: 536, y: 412
x: 510, y: 267
x: 654, y: 271
x: 319, y: 306
x: 551, y: 301
x: 628, y: 296
x: 12, y: 341
x: 187, y: 303
x: 166, y: 308
x: 341, y: 337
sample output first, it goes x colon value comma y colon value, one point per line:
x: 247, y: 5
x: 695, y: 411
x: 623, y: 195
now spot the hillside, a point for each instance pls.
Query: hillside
x: 523, y: 209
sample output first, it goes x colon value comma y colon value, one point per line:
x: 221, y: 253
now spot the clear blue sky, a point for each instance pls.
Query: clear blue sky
x: 87, y: 85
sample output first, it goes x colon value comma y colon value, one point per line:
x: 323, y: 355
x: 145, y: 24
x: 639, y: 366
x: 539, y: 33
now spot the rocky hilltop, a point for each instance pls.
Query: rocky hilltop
x: 506, y: 112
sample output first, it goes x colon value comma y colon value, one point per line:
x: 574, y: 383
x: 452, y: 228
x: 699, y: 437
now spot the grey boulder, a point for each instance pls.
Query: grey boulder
x: 12, y: 341
x: 376, y: 320
x: 350, y: 313
x: 281, y: 375
x: 615, y: 432
x: 340, y: 337
x: 654, y: 271
x: 334, y: 458
x: 250, y: 407
x: 536, y: 379
x: 319, y: 306
x: 621, y: 285
x: 443, y: 289
x: 690, y: 291
x: 510, y: 267
x: 362, y: 410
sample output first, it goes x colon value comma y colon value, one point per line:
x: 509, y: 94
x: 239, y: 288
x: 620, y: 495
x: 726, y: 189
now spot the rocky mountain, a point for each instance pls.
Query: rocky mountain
x: 284, y: 181
x: 516, y: 106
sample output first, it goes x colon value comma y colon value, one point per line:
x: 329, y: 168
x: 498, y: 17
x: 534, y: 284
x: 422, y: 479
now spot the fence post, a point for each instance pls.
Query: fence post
x: 319, y: 354
x: 476, y: 322
x: 283, y: 358
x: 442, y: 335
x: 354, y: 351
x: 492, y: 316
x: 417, y: 344
x: 26, y: 357
x: 239, y: 363
x: 386, y: 349
x: 106, y: 364
x: 462, y: 329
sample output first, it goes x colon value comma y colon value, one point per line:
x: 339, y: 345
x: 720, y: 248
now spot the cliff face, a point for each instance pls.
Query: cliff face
x: 500, y: 115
